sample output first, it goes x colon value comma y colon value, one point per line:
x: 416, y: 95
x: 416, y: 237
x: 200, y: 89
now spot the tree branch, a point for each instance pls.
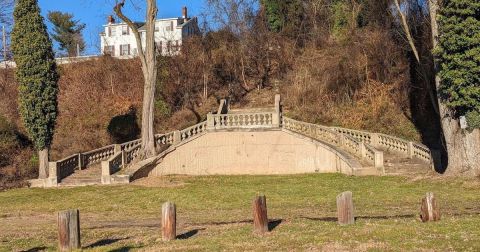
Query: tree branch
x: 407, y: 31
x: 118, y: 10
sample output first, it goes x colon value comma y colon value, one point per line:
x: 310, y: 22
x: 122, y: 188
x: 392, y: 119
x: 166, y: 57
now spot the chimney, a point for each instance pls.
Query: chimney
x: 111, y: 20
x: 185, y: 13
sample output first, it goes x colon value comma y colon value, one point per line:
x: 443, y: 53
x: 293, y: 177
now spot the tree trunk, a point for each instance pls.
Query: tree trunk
x: 148, y: 135
x: 463, y: 147
x: 43, y: 163
x: 149, y: 68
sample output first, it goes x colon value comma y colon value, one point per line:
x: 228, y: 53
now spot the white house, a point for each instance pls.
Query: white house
x: 118, y: 40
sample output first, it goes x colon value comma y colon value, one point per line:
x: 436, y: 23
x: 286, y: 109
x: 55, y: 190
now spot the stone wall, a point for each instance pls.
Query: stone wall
x: 253, y: 152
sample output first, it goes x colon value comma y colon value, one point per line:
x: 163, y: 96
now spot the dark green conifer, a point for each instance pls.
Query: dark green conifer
x: 37, y: 76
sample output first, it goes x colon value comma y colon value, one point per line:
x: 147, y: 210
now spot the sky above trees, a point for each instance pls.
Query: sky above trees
x: 94, y: 14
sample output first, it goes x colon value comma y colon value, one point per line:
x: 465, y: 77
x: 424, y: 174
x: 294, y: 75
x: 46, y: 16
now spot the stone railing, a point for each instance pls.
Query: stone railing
x: 164, y: 138
x: 128, y: 145
x: 193, y: 131
x: 390, y: 143
x: 359, y: 135
x: 313, y: 130
x: 329, y: 135
x: 63, y: 168
x: 97, y: 155
x: 130, y: 154
x: 244, y: 120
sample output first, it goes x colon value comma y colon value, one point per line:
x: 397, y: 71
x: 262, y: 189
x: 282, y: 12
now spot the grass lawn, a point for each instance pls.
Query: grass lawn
x: 214, y: 213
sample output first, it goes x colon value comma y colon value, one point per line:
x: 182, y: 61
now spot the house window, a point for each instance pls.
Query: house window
x: 109, y: 50
x: 177, y: 47
x: 112, y: 31
x: 170, y: 27
x: 124, y: 50
x: 125, y: 30
x: 157, y: 28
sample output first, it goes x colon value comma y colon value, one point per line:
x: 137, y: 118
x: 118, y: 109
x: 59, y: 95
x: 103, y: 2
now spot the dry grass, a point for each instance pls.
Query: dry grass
x: 214, y: 213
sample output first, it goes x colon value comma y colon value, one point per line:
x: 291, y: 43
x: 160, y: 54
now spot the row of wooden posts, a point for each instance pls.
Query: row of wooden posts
x: 69, y: 221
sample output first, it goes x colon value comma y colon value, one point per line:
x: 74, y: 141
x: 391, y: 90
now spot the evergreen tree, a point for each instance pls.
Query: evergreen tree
x: 37, y: 77
x: 284, y: 15
x: 459, y: 57
x: 67, y: 32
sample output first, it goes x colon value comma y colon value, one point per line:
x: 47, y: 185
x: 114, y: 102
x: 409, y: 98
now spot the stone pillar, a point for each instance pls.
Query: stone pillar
x: 374, y: 140
x: 177, y: 137
x: 52, y: 179
x: 106, y: 172
x: 363, y: 150
x: 210, y: 122
x: 411, y: 150
x: 117, y: 148
x: 378, y: 161
x: 80, y: 161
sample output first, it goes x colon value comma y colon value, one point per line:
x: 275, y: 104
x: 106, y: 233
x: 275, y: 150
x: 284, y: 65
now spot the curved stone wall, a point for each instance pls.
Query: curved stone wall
x: 254, y: 152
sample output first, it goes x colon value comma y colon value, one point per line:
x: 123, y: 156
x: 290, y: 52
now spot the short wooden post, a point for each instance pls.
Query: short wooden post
x: 429, y: 209
x: 345, y: 210
x: 260, y: 218
x: 68, y: 230
x: 169, y: 221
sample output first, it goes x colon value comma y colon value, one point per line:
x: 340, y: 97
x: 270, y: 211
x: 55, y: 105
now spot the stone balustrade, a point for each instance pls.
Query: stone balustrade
x: 192, y: 131
x: 97, y: 155
x: 338, y: 138
x: 62, y: 168
x: 241, y: 121
x: 390, y: 143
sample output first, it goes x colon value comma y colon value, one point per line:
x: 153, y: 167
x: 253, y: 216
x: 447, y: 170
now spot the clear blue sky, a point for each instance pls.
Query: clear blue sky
x: 94, y: 13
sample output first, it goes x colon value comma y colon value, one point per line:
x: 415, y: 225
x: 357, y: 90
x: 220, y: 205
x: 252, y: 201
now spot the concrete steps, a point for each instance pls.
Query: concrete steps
x: 90, y: 176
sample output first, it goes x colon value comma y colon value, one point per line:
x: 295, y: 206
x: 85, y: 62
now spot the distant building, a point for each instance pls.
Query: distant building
x: 118, y: 40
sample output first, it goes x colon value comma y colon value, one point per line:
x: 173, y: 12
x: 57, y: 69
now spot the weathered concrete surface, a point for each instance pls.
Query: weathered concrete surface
x: 253, y: 152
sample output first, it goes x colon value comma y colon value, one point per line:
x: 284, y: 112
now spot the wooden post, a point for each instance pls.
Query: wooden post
x: 68, y: 230
x: 260, y: 218
x: 345, y: 209
x: 169, y: 221
x: 429, y: 209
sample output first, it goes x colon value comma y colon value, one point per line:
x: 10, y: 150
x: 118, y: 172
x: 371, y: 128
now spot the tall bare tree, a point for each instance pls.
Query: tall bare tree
x: 149, y: 69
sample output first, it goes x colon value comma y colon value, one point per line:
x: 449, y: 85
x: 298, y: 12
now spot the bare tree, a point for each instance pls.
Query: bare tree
x: 462, y: 146
x: 6, y: 18
x: 148, y: 58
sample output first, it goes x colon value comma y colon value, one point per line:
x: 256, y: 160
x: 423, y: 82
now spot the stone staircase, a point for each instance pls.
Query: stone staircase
x: 372, y: 153
x: 92, y: 175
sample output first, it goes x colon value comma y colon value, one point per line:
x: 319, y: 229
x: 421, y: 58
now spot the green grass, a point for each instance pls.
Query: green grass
x: 217, y: 210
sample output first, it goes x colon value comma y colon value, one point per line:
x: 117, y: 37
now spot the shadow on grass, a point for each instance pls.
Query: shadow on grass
x: 334, y: 219
x: 36, y: 249
x: 273, y: 224
x: 189, y: 234
x: 104, y: 242
x: 125, y: 249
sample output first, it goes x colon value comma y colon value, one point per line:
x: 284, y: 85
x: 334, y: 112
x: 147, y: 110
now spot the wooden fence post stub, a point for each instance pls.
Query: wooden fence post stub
x: 260, y: 218
x: 169, y: 221
x: 429, y: 210
x: 68, y: 230
x: 345, y: 209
